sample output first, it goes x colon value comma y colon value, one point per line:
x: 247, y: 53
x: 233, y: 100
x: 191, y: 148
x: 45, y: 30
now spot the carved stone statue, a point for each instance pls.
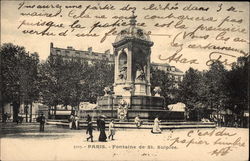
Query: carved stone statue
x: 157, y: 91
x: 140, y: 74
x: 122, y: 110
x: 123, y: 73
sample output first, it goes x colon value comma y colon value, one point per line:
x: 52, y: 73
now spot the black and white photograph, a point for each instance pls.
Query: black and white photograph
x: 124, y: 80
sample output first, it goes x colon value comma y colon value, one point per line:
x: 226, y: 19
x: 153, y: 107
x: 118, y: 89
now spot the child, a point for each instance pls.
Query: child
x: 90, y: 131
x: 111, y: 130
x: 138, y: 122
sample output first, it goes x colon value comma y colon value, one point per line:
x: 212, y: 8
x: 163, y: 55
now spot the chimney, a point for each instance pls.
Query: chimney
x: 90, y: 50
x: 51, y: 45
x: 107, y: 51
x: 70, y: 47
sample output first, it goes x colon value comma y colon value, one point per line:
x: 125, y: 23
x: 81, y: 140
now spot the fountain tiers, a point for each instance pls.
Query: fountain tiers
x: 148, y: 107
x: 132, y: 88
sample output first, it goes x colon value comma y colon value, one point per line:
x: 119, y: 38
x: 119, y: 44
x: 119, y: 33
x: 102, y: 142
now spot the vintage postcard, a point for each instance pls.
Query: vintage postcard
x: 124, y: 80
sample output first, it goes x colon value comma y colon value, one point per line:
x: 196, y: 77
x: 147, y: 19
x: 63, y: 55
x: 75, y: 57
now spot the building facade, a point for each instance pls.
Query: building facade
x: 174, y: 73
x: 89, y: 55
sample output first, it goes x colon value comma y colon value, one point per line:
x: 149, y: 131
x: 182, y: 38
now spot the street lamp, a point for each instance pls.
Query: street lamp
x: 81, y: 83
x: 112, y: 107
x: 26, y: 112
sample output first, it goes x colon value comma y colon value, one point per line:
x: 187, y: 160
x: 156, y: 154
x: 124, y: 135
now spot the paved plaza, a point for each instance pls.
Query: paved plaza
x: 24, y: 142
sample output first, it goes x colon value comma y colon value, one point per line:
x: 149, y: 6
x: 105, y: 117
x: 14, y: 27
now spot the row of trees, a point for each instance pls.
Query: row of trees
x: 55, y: 82
x: 213, y: 88
x: 71, y: 82
x: 60, y: 82
x: 217, y: 88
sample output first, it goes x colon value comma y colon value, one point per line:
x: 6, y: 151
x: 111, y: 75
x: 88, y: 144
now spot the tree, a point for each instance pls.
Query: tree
x: 75, y: 82
x: 71, y: 81
x: 101, y: 74
x: 238, y: 86
x: 161, y: 78
x: 216, y: 86
x: 189, y: 88
x: 61, y: 81
x: 18, y: 76
x: 49, y: 74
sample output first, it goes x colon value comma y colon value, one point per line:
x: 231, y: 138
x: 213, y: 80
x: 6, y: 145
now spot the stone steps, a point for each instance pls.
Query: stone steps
x: 145, y: 125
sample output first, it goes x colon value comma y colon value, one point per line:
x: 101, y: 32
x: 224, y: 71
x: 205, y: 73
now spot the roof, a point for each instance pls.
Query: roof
x: 89, y: 54
x: 167, y: 65
x: 159, y: 64
x: 132, y: 32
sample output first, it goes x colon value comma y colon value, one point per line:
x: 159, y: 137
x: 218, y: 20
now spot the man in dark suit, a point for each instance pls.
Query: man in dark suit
x: 41, y: 119
x: 90, y: 131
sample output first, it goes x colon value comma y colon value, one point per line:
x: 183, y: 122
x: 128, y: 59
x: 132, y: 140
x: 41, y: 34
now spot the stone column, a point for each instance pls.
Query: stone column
x: 148, y: 72
x: 129, y: 64
x: 116, y: 65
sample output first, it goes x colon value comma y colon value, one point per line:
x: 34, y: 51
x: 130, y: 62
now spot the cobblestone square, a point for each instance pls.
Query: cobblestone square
x: 24, y: 142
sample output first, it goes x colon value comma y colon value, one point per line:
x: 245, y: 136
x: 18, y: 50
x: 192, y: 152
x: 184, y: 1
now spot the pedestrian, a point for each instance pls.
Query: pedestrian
x: 74, y: 122
x: 77, y: 122
x: 19, y: 119
x: 5, y: 117
x: 41, y: 119
x: 111, y: 129
x: 71, y: 119
x: 137, y: 121
x: 102, y: 136
x: 156, y: 128
x: 98, y: 123
x: 88, y: 118
x: 90, y: 131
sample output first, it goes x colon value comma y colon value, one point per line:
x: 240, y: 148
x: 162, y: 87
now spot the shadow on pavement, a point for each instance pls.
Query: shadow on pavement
x: 31, y: 130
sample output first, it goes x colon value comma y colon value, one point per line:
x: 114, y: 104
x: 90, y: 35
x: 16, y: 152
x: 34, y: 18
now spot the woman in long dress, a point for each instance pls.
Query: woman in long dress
x: 156, y: 128
x: 102, y: 136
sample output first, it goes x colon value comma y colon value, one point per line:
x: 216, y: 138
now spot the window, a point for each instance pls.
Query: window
x: 67, y: 53
x: 77, y: 53
x: 179, y: 78
x: 139, y: 32
x: 65, y: 60
x: 90, y: 62
x: 123, y: 32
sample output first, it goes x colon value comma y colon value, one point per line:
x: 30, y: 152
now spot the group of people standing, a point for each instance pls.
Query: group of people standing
x: 74, y: 122
x: 100, y: 127
x: 156, y: 128
x: 100, y: 122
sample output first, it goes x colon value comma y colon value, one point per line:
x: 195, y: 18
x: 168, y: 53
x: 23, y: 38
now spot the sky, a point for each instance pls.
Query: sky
x: 228, y: 14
